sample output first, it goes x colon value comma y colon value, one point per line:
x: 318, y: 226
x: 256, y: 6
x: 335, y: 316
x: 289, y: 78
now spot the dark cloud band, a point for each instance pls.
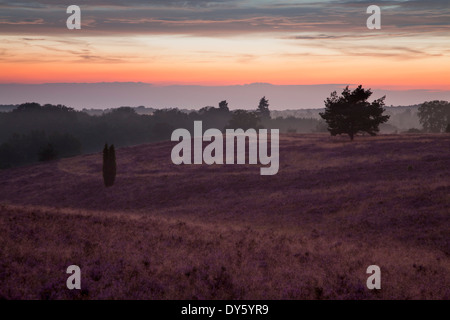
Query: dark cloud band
x: 220, y: 17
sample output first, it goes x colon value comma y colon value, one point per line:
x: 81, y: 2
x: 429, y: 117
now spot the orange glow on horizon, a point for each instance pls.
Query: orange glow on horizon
x: 229, y: 61
x: 175, y: 44
x: 394, y: 76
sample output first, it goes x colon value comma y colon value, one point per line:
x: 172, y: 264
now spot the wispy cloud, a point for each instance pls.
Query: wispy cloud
x: 9, y: 21
x: 224, y: 17
x: 302, y: 41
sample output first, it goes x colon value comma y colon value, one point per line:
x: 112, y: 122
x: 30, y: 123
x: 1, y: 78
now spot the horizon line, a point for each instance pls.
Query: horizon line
x: 165, y: 84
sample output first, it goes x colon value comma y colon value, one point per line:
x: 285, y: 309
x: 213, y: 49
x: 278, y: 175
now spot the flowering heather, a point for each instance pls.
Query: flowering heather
x: 225, y: 232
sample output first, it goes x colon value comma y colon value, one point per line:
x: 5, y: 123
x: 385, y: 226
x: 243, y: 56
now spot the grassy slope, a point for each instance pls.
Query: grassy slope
x: 165, y: 231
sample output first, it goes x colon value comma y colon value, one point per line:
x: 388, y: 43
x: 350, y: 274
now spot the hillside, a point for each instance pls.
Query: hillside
x: 226, y: 232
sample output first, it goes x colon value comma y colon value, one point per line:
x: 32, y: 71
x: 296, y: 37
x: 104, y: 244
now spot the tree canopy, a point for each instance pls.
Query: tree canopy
x: 351, y: 113
x: 263, y: 109
x: 109, y: 165
x: 243, y: 119
x: 434, y: 115
x: 31, y: 132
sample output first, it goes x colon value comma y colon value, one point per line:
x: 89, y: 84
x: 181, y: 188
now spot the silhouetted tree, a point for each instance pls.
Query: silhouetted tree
x: 351, y: 113
x: 263, y: 109
x: 109, y: 165
x: 242, y: 119
x: 223, y: 106
x: 105, y: 165
x: 434, y: 116
x: 112, y: 156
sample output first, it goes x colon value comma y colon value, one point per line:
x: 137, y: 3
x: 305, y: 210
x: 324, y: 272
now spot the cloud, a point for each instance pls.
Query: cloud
x: 221, y: 17
x: 115, y: 3
x: 21, y: 22
x: 410, y: 29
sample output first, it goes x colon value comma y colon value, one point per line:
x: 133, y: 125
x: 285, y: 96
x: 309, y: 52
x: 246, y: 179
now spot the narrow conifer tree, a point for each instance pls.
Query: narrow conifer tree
x: 112, y: 164
x: 105, y: 165
x: 109, y: 165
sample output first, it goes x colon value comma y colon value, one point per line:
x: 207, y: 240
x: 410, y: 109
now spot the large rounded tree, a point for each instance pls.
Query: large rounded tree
x: 435, y: 116
x: 351, y: 113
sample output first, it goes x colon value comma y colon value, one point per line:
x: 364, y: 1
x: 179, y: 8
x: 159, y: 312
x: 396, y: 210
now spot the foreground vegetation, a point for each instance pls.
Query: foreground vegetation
x: 225, y: 232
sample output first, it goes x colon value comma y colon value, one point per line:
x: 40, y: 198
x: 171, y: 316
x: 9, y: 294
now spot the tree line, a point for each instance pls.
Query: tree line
x: 435, y: 116
x: 32, y: 132
x: 351, y: 113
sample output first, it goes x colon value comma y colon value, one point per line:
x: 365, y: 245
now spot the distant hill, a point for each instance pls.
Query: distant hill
x: 116, y: 94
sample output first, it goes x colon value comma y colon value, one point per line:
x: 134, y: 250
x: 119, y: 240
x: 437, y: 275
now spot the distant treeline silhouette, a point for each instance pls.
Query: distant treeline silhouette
x: 32, y: 132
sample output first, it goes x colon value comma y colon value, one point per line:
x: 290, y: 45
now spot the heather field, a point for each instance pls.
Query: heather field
x: 226, y: 232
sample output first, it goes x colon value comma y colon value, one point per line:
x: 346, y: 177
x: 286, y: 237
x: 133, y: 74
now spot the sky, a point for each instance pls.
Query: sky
x: 227, y: 42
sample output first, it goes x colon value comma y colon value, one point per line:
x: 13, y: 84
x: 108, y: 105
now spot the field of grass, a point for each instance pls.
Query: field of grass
x: 226, y: 232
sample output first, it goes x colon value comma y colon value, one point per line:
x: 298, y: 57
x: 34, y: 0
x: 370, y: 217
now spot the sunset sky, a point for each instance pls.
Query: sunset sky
x: 227, y: 42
